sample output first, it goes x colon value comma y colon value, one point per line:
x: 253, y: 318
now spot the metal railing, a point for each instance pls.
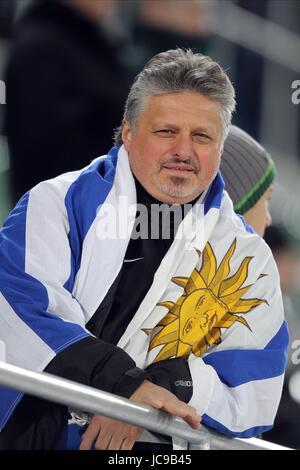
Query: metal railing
x: 94, y: 401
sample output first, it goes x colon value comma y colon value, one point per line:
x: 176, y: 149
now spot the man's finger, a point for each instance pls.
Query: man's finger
x: 195, y: 423
x: 190, y: 416
x: 116, y: 441
x: 103, y: 440
x: 128, y: 443
x: 89, y: 436
x: 186, y: 412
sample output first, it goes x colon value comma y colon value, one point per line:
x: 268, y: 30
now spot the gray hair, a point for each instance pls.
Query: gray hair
x: 174, y: 71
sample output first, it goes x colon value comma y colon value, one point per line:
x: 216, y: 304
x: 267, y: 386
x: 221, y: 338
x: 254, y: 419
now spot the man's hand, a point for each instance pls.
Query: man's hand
x: 111, y: 434
x: 160, y: 398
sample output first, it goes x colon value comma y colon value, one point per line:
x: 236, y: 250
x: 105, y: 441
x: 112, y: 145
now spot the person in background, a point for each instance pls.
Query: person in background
x: 248, y: 172
x: 287, y: 422
x: 65, y: 89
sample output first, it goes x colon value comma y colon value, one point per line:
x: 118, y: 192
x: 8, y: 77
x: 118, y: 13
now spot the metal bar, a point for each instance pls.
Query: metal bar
x: 94, y: 401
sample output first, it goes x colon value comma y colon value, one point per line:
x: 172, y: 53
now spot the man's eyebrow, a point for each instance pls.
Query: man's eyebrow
x: 166, y: 125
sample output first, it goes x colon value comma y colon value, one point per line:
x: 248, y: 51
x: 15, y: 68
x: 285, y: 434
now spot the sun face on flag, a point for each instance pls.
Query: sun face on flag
x: 211, y: 301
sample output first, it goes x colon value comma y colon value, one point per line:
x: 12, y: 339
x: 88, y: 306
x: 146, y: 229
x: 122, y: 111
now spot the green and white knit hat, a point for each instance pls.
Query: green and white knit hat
x: 247, y: 169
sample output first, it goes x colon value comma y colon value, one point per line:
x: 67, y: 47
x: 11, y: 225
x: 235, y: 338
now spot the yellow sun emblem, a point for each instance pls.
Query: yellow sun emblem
x: 210, y: 302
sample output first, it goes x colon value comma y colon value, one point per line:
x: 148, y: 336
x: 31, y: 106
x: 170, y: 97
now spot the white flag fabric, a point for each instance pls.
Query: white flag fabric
x: 215, y: 298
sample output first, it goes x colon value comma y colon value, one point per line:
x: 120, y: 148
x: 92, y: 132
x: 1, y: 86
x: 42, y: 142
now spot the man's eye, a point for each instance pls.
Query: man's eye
x: 202, y: 137
x: 165, y: 132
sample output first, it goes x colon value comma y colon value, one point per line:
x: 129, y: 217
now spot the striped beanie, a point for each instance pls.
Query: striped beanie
x: 247, y: 169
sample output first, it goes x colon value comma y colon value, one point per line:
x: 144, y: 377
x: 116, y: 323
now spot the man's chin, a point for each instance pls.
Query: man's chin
x: 178, y: 192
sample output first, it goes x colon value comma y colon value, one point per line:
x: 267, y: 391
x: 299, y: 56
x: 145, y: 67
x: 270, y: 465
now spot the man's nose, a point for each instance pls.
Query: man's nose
x: 183, y: 147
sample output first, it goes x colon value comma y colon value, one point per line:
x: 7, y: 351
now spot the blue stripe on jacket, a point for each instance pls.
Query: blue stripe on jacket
x: 215, y: 194
x: 90, y: 190
x: 26, y: 295
x: 255, y: 364
x: 247, y: 366
x: 21, y: 289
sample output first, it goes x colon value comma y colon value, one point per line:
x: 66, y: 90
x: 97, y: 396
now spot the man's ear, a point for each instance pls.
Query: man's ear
x: 126, y: 135
x: 221, y: 151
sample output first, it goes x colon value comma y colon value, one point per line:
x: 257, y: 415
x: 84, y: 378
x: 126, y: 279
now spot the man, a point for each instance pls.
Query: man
x: 199, y: 313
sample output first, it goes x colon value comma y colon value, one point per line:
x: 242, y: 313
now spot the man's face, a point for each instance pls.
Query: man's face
x: 259, y: 216
x: 175, y: 149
